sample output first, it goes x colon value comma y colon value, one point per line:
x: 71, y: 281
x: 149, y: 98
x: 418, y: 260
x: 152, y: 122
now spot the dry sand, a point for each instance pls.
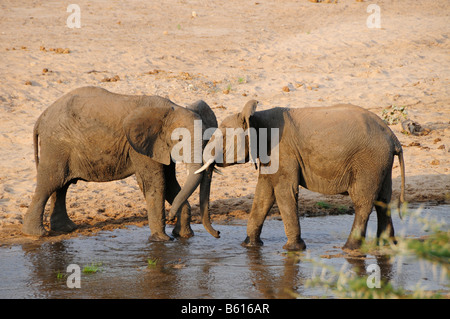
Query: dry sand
x: 224, y: 52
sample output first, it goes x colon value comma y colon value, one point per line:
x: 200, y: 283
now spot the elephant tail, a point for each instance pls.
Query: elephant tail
x: 402, y: 172
x: 36, y: 143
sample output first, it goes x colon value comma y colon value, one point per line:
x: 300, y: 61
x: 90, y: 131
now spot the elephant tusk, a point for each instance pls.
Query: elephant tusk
x: 218, y: 171
x: 205, y: 166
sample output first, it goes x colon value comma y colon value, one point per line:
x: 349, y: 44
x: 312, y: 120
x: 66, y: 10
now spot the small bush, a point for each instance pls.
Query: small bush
x: 394, y: 114
x: 434, y: 248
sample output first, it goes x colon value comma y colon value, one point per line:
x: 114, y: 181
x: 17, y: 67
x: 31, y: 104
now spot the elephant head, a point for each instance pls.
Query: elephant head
x: 150, y: 131
x: 233, y: 142
x: 245, y: 137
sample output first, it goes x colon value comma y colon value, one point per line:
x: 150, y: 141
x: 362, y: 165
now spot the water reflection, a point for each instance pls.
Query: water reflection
x: 160, y: 278
x: 199, y: 267
x: 360, y: 265
x: 274, y: 281
x: 45, y: 262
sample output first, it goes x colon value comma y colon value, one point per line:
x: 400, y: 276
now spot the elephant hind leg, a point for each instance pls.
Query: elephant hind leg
x: 59, y: 220
x: 33, y: 219
x: 358, y: 232
x: 363, y: 200
x: 48, y: 182
x: 385, y: 228
x: 286, y: 194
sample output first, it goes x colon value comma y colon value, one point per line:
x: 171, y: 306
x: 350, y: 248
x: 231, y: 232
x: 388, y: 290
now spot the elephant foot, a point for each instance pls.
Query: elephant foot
x: 158, y: 237
x: 394, y: 240
x: 383, y: 241
x: 63, y: 225
x: 295, y: 245
x: 32, y: 229
x: 352, y: 244
x: 185, y: 232
x: 252, y: 242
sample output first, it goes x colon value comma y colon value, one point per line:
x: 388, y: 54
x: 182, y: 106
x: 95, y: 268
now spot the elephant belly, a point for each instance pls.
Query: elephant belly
x: 101, y: 162
x: 100, y: 168
x: 325, y: 185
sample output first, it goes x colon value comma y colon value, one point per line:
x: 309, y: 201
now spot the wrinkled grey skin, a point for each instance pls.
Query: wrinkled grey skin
x: 94, y: 135
x: 342, y: 149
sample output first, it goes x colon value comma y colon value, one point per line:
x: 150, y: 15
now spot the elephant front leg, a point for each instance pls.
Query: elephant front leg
x: 262, y: 203
x: 150, y: 178
x: 156, y: 214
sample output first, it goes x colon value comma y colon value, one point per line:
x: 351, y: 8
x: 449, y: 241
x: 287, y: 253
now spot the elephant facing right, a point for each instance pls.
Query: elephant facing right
x: 341, y: 149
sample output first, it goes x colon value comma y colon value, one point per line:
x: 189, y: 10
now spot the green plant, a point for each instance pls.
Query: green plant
x: 394, y: 114
x: 151, y: 263
x: 92, y: 268
x: 347, y: 284
x: 324, y: 205
x: 434, y: 248
x: 60, y: 275
x: 342, y: 208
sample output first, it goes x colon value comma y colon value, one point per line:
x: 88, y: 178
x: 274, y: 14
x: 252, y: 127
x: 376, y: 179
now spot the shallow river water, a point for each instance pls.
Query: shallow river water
x: 126, y: 265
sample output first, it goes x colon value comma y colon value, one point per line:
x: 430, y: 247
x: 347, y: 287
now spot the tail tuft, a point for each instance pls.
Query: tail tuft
x: 402, y: 171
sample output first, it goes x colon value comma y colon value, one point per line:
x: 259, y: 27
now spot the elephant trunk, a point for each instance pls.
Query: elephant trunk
x: 192, y: 181
x: 205, y: 189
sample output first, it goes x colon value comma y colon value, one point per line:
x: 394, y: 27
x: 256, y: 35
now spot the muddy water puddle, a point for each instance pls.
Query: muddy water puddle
x: 123, y: 264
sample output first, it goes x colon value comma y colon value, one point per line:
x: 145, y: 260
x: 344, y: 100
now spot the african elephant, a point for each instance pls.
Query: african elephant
x: 341, y: 149
x: 91, y: 134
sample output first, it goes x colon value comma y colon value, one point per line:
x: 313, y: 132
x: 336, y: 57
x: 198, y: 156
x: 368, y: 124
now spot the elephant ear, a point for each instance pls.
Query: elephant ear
x: 208, y: 117
x: 248, y: 110
x: 145, y: 131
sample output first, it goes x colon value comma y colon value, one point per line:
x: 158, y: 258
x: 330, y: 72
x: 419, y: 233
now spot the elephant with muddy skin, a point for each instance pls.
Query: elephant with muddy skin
x: 342, y: 149
x: 94, y: 135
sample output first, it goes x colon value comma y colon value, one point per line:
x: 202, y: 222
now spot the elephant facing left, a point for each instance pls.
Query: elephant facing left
x: 94, y: 135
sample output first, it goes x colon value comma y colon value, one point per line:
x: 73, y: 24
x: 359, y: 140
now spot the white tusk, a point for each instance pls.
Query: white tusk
x: 250, y: 145
x: 205, y: 166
